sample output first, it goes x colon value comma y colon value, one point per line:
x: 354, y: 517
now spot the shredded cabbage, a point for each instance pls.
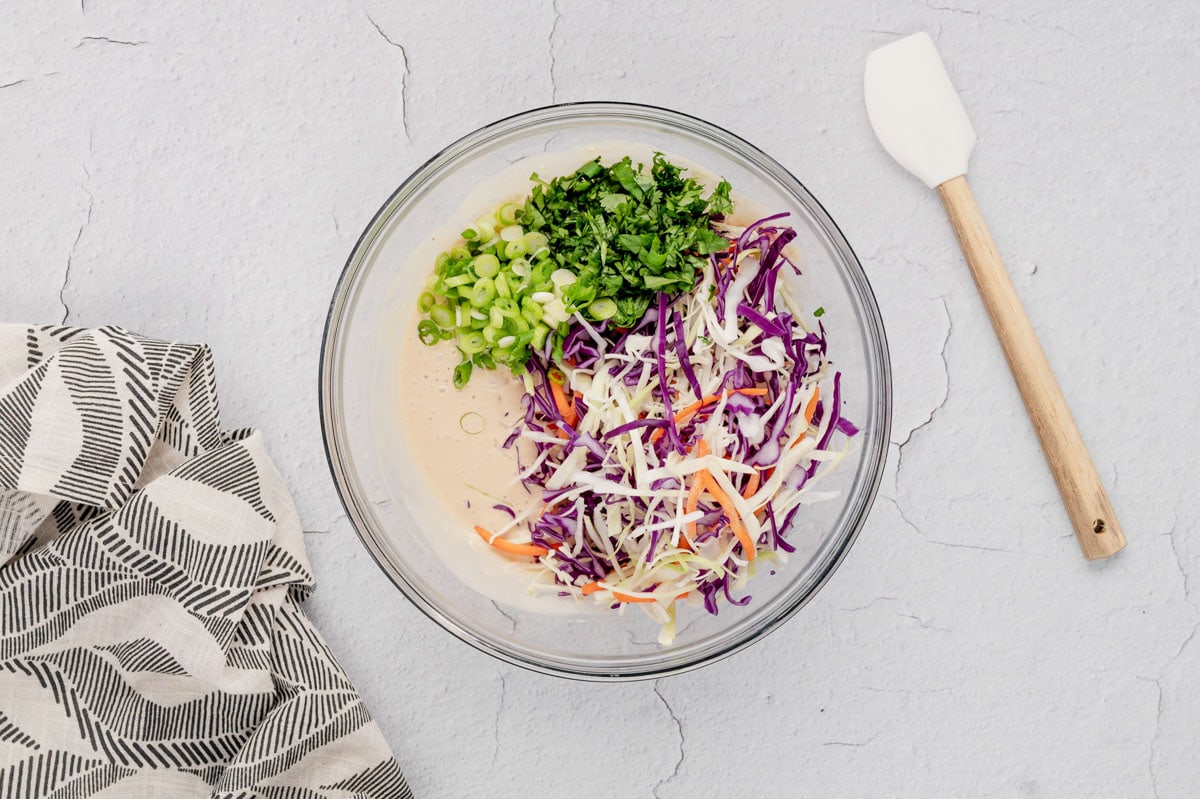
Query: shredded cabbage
x: 627, y: 507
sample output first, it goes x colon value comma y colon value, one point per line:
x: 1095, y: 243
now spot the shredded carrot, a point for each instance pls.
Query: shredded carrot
x: 704, y: 481
x: 687, y: 411
x: 809, y: 410
x: 693, y: 497
x: 617, y: 595
x: 735, y: 521
x: 751, y: 485
x: 594, y: 586
x: 531, y: 550
x: 565, y: 407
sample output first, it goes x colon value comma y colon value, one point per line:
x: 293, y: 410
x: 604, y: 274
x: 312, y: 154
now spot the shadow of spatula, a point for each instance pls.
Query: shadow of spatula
x: 922, y: 124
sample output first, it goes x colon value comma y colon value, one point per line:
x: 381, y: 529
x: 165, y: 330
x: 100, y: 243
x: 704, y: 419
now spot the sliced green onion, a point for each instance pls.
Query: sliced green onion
x: 487, y: 293
x: 483, y: 292
x: 462, y: 373
x: 514, y: 249
x: 508, y: 213
x: 485, y: 228
x: 441, y: 316
x: 502, y: 287
x: 532, y: 310
x: 472, y: 342
x: 535, y: 241
x: 428, y: 332
x: 486, y: 265
x: 603, y: 308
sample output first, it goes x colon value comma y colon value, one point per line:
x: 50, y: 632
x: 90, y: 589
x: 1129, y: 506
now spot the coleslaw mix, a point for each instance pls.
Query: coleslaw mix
x: 673, y: 430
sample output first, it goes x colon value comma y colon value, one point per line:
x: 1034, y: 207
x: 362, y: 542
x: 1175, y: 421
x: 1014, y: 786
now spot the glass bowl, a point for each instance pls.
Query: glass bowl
x: 373, y: 466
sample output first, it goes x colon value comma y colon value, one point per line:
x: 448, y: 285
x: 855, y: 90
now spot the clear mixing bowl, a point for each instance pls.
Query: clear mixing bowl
x: 373, y: 466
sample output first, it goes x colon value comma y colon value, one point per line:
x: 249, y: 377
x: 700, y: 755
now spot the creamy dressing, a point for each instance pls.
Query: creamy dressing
x: 455, y: 436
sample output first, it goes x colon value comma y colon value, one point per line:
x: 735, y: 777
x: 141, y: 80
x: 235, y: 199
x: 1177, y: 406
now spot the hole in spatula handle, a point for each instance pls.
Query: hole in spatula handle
x: 1099, y: 526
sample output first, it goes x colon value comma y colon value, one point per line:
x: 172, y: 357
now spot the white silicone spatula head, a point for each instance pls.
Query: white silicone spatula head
x: 915, y: 111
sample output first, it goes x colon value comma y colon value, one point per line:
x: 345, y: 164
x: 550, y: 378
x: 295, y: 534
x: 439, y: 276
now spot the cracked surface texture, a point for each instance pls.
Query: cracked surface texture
x: 201, y: 171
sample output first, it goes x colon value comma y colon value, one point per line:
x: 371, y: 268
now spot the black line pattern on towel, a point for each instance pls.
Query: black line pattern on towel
x: 144, y: 634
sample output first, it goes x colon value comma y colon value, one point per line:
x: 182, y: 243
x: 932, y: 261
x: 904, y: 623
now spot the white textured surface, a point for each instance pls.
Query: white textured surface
x: 200, y: 171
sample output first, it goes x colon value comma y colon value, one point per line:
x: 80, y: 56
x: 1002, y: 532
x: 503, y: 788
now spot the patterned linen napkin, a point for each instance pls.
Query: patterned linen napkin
x: 151, y: 569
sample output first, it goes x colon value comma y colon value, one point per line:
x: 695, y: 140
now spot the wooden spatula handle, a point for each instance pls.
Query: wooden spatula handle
x: 1087, y: 504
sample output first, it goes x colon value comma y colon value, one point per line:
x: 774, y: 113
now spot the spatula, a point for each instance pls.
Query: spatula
x: 921, y: 122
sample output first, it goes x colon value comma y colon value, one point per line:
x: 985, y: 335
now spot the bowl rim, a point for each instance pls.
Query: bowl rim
x: 872, y: 322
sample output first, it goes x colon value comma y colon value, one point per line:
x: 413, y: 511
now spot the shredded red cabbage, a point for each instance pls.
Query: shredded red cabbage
x: 730, y: 364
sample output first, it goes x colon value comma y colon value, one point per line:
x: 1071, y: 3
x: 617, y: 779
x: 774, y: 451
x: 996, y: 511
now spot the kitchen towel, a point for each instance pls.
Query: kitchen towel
x: 152, y: 566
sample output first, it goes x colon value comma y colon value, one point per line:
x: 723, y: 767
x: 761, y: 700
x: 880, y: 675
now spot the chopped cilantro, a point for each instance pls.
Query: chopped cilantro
x: 719, y: 202
x: 819, y: 312
x: 626, y: 232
